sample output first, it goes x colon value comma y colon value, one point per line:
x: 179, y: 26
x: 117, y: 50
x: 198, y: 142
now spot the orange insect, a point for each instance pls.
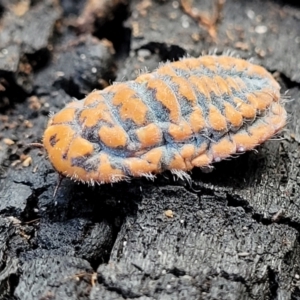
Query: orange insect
x: 186, y: 114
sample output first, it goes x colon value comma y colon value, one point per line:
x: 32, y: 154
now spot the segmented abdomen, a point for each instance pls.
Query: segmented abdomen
x: 185, y: 114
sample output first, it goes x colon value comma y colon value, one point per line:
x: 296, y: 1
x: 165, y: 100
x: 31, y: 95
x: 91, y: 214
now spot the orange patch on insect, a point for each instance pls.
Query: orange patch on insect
x: 75, y: 172
x: 122, y: 94
x: 148, y: 163
x: 58, y: 136
x: 261, y: 132
x: 177, y: 163
x: 202, y: 157
x: 226, y: 63
x: 80, y: 147
x: 185, y: 89
x: 209, y: 62
x: 233, y: 84
x: 196, y: 120
x: 244, y: 141
x: 64, y: 116
x: 200, y: 86
x: 166, y: 70
x: 212, y: 85
x: 144, y: 78
x: 202, y: 160
x: 149, y: 135
x: 130, y: 107
x: 216, y: 120
x: 241, y: 65
x: 277, y: 117
x: 232, y: 116
x: 153, y: 156
x: 166, y: 96
x: 247, y: 110
x: 56, y: 141
x: 223, y: 148
x: 222, y: 85
x: 93, y: 98
x: 137, y: 166
x: 277, y: 122
x: 106, y: 173
x: 261, y: 99
x: 274, y: 92
x: 113, y: 137
x: 91, y: 116
x: 192, y: 63
x: 180, y: 65
x: 187, y: 152
x: 254, y: 101
x: 278, y: 110
x: 180, y: 131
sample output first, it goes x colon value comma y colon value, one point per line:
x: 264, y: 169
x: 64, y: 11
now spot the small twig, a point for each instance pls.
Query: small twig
x: 210, y: 22
x: 32, y: 221
x: 35, y: 145
x: 59, y: 180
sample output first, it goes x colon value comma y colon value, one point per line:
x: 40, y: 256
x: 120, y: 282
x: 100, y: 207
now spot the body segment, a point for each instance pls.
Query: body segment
x: 185, y: 114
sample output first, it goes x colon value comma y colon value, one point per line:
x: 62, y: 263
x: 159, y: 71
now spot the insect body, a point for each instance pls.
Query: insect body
x: 186, y: 114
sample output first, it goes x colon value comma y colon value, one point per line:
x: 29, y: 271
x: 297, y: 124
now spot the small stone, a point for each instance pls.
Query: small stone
x: 144, y: 53
x: 261, y: 29
x: 243, y: 254
x: 169, y: 213
x: 8, y: 142
x: 27, y: 162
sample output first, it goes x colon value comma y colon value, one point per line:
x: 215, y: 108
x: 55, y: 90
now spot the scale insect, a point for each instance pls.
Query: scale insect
x: 185, y: 114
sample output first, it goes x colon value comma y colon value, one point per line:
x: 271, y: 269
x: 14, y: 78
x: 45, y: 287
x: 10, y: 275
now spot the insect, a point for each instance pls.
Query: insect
x: 185, y: 114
